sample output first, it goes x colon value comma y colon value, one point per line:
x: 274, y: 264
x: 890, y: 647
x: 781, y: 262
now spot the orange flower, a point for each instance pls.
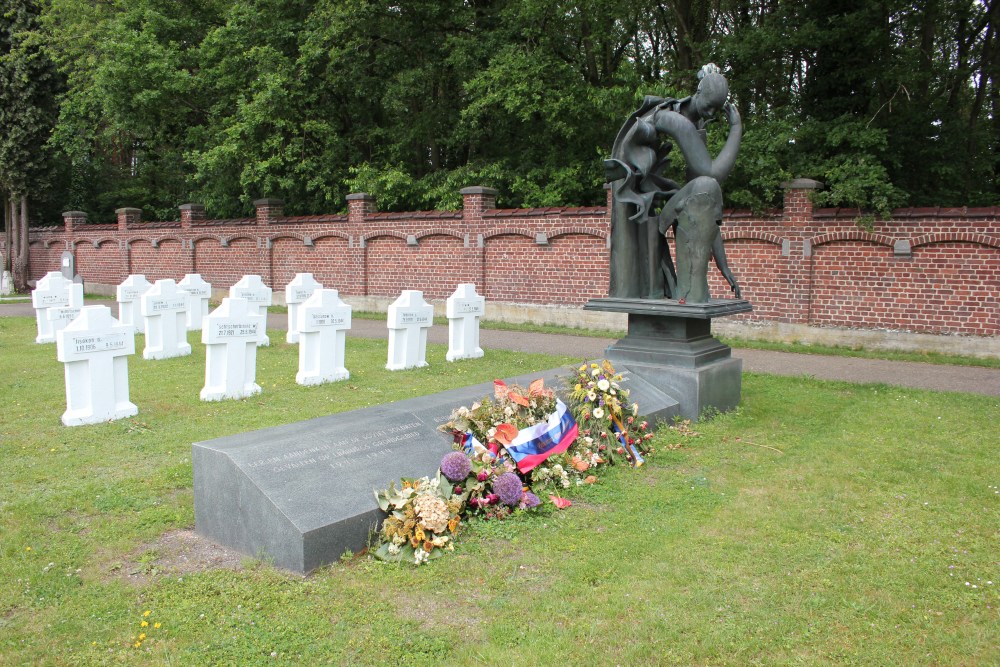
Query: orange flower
x: 505, y: 434
x: 453, y: 524
x: 517, y: 398
x: 428, y: 547
x: 537, y: 388
x: 590, y: 479
x: 580, y: 464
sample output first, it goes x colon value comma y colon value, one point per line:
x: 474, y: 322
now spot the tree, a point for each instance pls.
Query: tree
x: 28, y: 88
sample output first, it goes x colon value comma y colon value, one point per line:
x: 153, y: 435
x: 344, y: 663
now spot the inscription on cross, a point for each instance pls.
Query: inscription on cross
x: 297, y: 291
x: 323, y: 321
x: 94, y: 348
x: 258, y: 297
x: 128, y: 294
x: 230, y: 335
x: 199, y: 292
x: 164, y: 309
x: 409, y: 319
x: 464, y: 308
x: 52, y: 291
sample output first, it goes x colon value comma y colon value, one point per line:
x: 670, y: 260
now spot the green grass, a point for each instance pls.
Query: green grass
x: 821, y: 523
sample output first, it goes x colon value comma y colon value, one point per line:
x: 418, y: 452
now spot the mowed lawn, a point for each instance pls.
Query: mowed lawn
x: 821, y: 523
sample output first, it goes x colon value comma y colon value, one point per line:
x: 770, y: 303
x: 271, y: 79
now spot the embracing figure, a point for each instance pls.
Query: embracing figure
x: 645, y: 203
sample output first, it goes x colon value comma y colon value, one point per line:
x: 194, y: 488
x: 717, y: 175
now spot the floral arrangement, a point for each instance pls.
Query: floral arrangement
x: 494, y: 423
x: 424, y: 517
x: 507, y: 444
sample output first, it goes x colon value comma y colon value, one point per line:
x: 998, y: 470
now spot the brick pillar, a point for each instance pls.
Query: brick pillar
x: 797, y: 218
x: 191, y: 213
x: 359, y: 206
x: 475, y: 200
x: 73, y: 218
x: 127, y: 216
x: 798, y: 206
x: 269, y: 210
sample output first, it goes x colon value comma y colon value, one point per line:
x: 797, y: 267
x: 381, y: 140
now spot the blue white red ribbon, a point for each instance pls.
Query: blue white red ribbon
x: 631, y: 450
x: 537, y: 443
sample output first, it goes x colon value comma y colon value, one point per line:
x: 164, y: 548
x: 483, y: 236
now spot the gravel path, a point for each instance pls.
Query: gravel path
x: 968, y: 379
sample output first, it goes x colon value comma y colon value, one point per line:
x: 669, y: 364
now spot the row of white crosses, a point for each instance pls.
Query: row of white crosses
x: 94, y: 345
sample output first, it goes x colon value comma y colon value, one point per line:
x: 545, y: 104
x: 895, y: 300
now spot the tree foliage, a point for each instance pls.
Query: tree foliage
x: 220, y: 102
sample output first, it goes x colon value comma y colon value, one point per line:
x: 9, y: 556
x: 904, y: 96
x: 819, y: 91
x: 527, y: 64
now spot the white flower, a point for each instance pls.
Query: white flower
x: 393, y: 549
x: 603, y: 384
x: 591, y: 397
x: 598, y: 413
x: 635, y: 409
x: 595, y: 372
x: 419, y: 556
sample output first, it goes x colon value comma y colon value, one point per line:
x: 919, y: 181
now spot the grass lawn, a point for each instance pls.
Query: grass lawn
x: 821, y: 523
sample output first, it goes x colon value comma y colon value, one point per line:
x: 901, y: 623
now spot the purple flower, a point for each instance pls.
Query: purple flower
x: 529, y: 501
x: 509, y: 489
x: 456, y: 466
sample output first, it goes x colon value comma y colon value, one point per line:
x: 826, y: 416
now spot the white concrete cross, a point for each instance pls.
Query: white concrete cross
x: 60, y: 316
x: 258, y: 298
x: 199, y: 292
x: 464, y: 308
x: 164, y: 309
x: 409, y: 319
x: 230, y: 334
x: 94, y: 348
x: 301, y: 288
x: 52, y: 291
x: 323, y: 321
x: 128, y: 294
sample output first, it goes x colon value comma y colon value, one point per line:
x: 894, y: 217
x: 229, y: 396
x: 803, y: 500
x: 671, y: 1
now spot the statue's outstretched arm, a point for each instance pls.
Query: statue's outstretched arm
x: 719, y: 254
x: 685, y: 134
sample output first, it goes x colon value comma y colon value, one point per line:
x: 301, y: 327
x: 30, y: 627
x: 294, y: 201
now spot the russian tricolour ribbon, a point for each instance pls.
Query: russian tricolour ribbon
x: 537, y: 443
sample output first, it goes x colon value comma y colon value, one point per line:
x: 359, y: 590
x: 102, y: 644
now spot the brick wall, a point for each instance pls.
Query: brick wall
x: 925, y: 270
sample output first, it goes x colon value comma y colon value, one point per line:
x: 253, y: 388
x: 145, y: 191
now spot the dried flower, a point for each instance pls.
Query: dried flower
x: 433, y: 513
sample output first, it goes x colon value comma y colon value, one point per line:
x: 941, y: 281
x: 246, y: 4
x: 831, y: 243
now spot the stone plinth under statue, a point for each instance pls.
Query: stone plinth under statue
x: 670, y: 346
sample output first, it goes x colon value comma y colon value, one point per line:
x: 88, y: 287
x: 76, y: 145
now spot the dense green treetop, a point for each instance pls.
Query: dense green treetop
x: 163, y: 102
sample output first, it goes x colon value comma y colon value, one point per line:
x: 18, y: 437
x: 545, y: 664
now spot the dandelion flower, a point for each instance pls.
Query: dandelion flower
x: 144, y: 624
x: 157, y: 625
x: 146, y: 613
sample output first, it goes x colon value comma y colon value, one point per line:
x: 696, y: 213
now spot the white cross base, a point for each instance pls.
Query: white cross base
x: 164, y: 310
x: 52, y: 291
x: 409, y: 319
x: 199, y: 292
x: 128, y: 294
x: 464, y: 308
x: 258, y: 297
x: 94, y: 348
x: 296, y: 292
x: 59, y: 317
x: 323, y: 321
x: 230, y: 334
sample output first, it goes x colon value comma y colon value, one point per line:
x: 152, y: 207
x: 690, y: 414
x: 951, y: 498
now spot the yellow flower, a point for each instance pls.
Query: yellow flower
x: 137, y: 644
x: 594, y: 366
x: 146, y: 613
x: 142, y: 636
x: 27, y: 548
x: 583, y: 368
x: 144, y: 623
x: 156, y: 625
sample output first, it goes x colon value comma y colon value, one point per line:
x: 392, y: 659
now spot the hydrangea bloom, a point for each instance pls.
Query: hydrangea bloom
x: 456, y: 466
x: 508, y: 487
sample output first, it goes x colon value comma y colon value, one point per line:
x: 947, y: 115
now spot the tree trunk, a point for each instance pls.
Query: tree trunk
x: 19, y: 268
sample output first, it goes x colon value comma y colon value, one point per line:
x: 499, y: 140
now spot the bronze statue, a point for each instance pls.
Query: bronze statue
x: 641, y: 263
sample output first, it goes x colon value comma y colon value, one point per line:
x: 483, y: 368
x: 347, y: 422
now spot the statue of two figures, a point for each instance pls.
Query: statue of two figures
x: 645, y: 204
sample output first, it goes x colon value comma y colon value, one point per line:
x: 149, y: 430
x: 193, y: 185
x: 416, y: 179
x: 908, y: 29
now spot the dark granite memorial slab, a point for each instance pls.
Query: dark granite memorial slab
x: 302, y: 494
